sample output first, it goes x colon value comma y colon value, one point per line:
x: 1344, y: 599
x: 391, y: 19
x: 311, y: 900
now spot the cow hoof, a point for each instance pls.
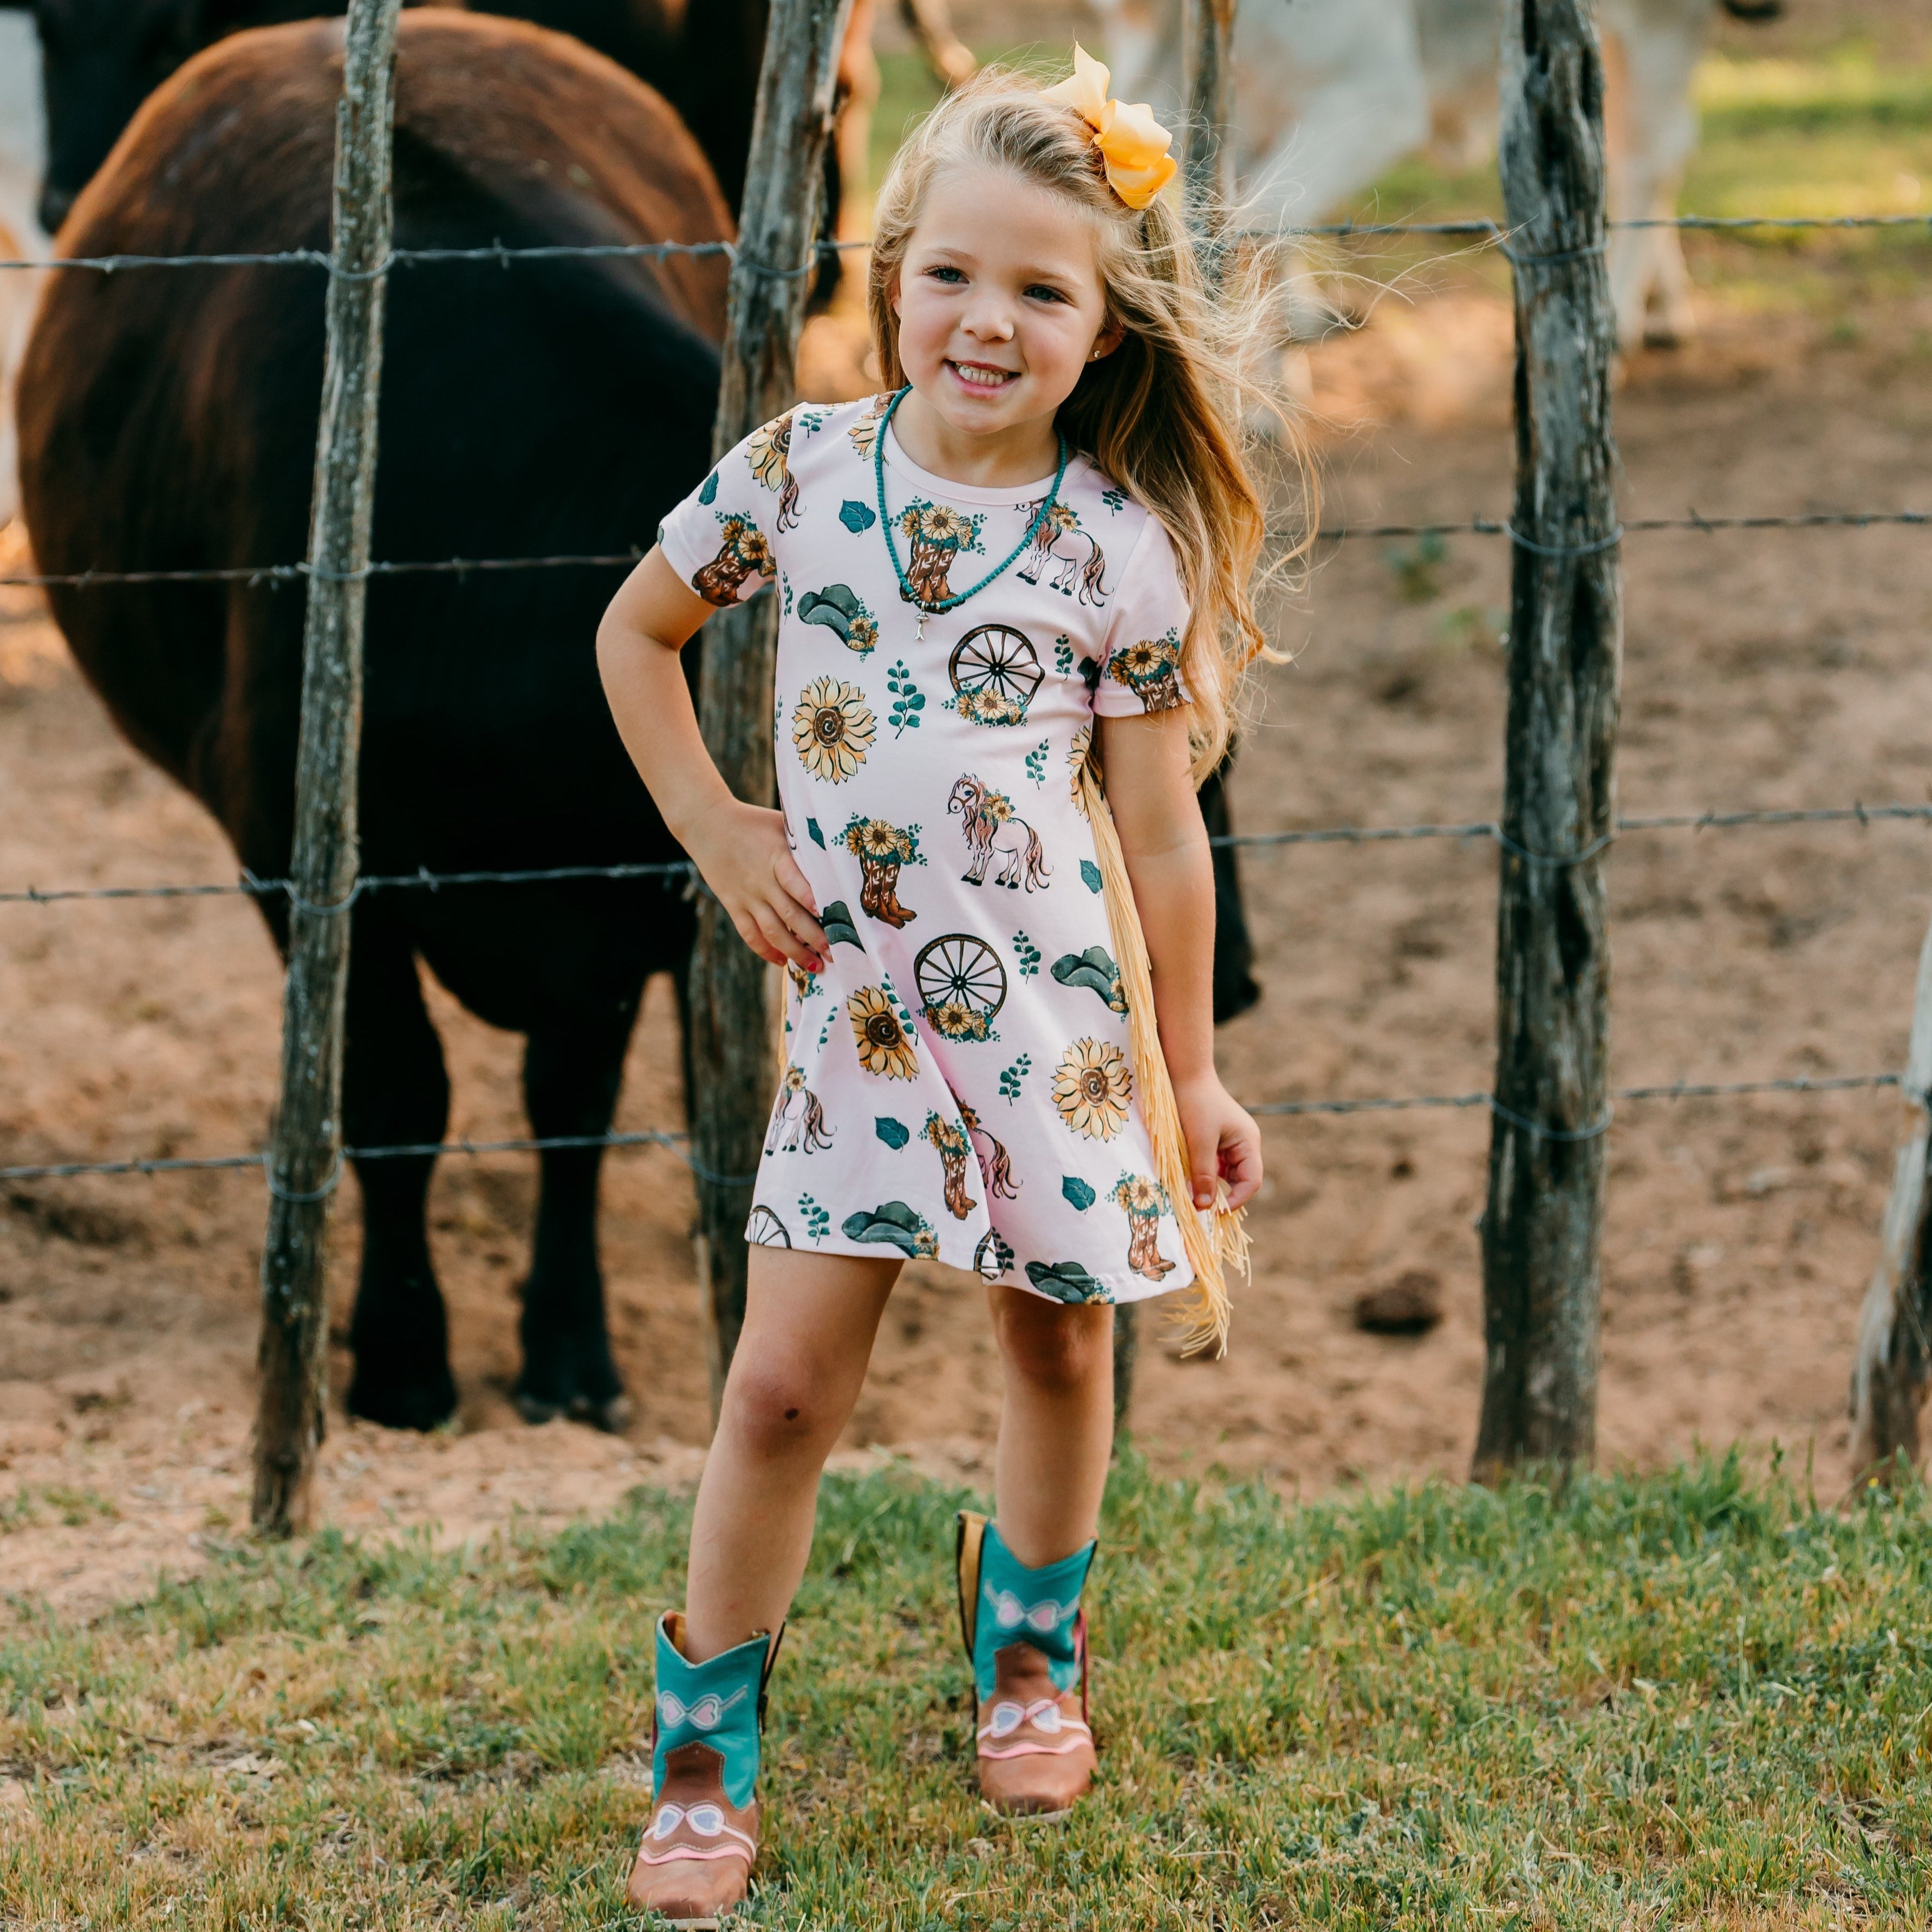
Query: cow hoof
x: 423, y: 1406
x: 613, y: 1417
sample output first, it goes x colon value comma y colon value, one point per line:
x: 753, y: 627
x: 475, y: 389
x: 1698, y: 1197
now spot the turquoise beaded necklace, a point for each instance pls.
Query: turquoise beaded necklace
x: 953, y: 603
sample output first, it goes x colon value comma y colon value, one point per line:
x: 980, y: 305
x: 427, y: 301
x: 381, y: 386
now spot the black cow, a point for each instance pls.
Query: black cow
x: 168, y: 420
x: 101, y: 58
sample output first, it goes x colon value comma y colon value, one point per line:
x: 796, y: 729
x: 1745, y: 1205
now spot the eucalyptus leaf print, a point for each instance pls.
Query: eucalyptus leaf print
x: 832, y: 729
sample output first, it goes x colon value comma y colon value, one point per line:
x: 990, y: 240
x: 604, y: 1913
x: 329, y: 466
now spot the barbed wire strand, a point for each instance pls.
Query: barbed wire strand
x: 276, y: 574
x: 1475, y: 229
x: 251, y: 887
x: 676, y: 1143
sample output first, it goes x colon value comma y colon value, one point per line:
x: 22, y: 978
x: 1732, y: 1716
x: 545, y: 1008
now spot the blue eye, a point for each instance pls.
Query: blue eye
x: 1040, y: 291
x: 946, y: 274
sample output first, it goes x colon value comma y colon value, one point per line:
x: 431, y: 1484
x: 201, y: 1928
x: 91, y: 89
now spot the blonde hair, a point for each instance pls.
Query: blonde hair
x: 1162, y: 415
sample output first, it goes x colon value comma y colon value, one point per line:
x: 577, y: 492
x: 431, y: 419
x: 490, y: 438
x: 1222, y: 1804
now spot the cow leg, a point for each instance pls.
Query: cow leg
x: 1234, y: 988
x: 395, y: 1093
x: 571, y: 1078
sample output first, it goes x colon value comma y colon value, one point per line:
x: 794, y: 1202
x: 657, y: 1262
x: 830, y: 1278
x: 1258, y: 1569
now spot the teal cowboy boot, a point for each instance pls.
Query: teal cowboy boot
x: 695, y: 1863
x: 1026, y: 1636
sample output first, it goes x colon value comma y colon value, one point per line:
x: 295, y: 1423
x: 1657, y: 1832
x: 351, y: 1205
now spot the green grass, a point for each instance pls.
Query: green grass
x: 1694, y: 1699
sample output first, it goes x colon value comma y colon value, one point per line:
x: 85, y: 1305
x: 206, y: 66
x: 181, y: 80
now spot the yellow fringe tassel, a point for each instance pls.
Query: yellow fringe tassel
x: 1216, y: 1241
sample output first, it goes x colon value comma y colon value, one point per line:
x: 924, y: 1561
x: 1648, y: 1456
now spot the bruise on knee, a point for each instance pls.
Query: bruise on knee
x: 774, y: 1410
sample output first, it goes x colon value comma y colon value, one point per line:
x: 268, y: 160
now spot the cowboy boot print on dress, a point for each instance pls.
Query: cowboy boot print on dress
x: 1026, y: 1636
x: 696, y: 1861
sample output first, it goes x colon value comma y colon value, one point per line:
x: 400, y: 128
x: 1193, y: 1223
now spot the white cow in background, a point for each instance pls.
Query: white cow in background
x: 22, y: 155
x: 1330, y: 94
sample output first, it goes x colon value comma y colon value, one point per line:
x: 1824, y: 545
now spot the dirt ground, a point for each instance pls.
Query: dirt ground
x: 1779, y: 669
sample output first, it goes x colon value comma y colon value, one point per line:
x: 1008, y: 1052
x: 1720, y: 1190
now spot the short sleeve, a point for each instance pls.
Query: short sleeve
x: 1140, y: 667
x: 719, y: 539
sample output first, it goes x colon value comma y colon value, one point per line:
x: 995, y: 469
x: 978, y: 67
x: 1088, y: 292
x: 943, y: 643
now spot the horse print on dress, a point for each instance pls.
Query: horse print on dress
x: 1144, y: 1201
x: 881, y: 849
x: 863, y: 432
x: 1080, y: 565
x: 744, y: 550
x: 798, y: 1120
x: 995, y: 1168
x: 937, y: 533
x: 768, y: 451
x: 993, y: 832
x: 950, y: 1142
x: 1149, y: 669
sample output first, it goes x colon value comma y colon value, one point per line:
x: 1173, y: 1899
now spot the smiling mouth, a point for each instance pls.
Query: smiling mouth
x: 983, y: 375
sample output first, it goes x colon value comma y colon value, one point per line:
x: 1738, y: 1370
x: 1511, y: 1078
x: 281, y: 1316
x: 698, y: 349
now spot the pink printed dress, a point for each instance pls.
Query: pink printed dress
x: 958, y: 1082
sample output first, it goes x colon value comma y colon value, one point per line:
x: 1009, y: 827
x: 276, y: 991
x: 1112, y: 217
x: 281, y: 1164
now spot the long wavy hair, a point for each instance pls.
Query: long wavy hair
x: 1162, y: 415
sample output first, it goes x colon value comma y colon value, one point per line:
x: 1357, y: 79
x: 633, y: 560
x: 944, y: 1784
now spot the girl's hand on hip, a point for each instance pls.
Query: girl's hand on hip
x: 741, y: 853
x: 1223, y: 1142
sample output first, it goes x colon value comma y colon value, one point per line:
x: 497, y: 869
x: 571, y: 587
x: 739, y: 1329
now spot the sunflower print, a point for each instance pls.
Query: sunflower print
x: 884, y: 1050
x: 1147, y: 669
x: 988, y: 707
x: 832, y: 729
x: 1091, y: 1087
x: 768, y: 450
x: 1076, y: 760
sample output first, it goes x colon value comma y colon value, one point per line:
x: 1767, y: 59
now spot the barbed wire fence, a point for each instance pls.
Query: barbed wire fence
x: 1894, y: 1347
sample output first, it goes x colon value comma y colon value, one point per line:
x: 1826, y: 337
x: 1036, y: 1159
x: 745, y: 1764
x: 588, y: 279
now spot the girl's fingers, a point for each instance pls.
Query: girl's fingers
x: 1202, y: 1169
x: 780, y: 937
x: 749, y: 932
x: 795, y: 885
x: 1241, y: 1165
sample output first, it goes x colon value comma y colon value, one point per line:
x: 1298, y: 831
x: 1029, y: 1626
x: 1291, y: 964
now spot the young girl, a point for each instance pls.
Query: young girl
x: 1031, y: 552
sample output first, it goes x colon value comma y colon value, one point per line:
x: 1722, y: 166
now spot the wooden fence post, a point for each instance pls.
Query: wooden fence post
x: 730, y: 1056
x: 1894, y: 1357
x: 1542, y: 1227
x: 1207, y: 87
x: 304, y: 1161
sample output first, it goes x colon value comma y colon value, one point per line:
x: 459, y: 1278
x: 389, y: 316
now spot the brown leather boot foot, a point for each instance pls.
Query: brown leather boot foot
x: 695, y: 1863
x: 1036, y: 1750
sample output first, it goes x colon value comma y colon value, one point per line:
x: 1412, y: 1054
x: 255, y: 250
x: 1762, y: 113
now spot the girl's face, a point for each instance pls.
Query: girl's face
x: 999, y: 301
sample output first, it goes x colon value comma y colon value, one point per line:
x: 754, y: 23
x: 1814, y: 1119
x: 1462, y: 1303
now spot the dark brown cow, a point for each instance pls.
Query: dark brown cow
x: 168, y: 421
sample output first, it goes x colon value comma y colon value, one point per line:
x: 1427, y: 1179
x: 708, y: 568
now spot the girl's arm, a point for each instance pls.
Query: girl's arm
x: 1165, y: 847
x: 739, y: 850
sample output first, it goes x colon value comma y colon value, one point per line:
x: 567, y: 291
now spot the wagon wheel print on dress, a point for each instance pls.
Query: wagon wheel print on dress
x: 962, y: 984
x: 765, y: 1230
x: 996, y: 659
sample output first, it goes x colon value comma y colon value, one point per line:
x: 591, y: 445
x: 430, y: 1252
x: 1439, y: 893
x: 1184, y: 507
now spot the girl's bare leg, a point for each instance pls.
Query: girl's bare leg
x: 809, y: 1323
x: 1056, y: 1424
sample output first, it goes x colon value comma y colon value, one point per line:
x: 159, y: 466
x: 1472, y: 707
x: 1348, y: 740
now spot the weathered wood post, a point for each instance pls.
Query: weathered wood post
x: 730, y: 1023
x: 1208, y: 85
x: 304, y: 1161
x: 1542, y: 1227
x: 1894, y: 1357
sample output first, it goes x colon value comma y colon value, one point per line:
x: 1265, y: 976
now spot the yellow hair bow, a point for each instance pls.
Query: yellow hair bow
x: 1132, y: 142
